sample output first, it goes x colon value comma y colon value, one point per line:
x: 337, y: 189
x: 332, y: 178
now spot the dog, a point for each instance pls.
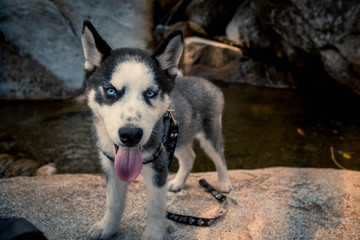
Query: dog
x: 129, y: 92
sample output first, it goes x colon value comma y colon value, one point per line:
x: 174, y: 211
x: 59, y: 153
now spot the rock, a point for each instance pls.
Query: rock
x: 5, y: 162
x: 22, y: 167
x: 272, y: 203
x: 46, y: 170
x: 166, y: 5
x: 217, y: 61
x: 212, y: 15
x: 188, y: 28
x: 40, y: 42
x: 338, y: 68
x: 329, y: 29
x: 211, y: 59
x: 246, y: 29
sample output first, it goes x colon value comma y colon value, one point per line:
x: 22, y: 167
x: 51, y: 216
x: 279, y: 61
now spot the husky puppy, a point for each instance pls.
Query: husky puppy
x: 129, y: 91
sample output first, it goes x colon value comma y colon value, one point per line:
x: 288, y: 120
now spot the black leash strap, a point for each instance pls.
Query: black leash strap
x: 198, y: 221
x: 171, y: 136
x: 169, y: 139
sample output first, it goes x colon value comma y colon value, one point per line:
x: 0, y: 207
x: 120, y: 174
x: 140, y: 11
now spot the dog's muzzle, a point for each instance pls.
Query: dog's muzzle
x: 130, y: 136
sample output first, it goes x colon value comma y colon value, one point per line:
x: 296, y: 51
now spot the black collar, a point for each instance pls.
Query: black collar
x: 169, y: 140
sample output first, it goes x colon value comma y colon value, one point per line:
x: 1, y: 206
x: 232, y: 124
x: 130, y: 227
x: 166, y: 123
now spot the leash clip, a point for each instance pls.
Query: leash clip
x: 170, y: 115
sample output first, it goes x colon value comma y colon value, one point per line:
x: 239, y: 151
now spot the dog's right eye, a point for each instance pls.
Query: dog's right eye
x: 111, y: 92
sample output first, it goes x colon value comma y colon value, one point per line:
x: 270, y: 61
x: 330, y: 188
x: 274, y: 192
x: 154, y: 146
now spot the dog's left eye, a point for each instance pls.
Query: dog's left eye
x: 150, y: 94
x: 111, y: 92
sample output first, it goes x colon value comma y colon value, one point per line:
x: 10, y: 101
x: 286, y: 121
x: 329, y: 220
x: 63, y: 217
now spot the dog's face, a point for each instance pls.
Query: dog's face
x: 128, y: 89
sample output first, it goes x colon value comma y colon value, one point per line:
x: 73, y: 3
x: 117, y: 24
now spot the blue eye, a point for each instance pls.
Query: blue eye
x: 110, y: 92
x: 150, y: 94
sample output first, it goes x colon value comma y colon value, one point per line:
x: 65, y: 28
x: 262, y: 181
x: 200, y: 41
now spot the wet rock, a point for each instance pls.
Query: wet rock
x: 166, y: 4
x: 217, y: 61
x: 22, y: 167
x: 212, y: 15
x: 46, y: 170
x: 246, y: 29
x: 188, y: 28
x: 40, y: 42
x: 271, y: 203
x: 329, y: 29
x: 5, y: 162
x: 211, y: 59
x: 6, y: 142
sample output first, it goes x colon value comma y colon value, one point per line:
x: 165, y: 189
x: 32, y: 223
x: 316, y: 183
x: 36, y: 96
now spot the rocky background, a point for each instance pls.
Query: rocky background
x: 302, y: 44
x: 287, y: 44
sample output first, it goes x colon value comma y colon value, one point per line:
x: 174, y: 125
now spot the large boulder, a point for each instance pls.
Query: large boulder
x: 326, y: 30
x: 246, y: 29
x: 41, y: 54
x: 272, y: 203
x: 212, y: 15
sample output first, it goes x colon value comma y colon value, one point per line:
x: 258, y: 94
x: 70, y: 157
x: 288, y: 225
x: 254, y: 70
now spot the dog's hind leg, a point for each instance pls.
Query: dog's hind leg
x: 185, y: 154
x: 115, y: 203
x: 213, y: 147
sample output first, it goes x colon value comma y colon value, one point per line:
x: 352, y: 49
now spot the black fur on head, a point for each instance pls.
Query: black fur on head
x: 101, y: 60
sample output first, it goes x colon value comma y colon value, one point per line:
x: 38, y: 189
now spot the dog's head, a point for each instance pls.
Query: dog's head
x: 128, y: 89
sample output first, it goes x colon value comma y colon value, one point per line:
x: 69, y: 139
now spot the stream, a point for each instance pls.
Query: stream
x: 262, y: 127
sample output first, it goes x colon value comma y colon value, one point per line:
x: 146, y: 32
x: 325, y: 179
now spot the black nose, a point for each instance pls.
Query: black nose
x: 130, y: 136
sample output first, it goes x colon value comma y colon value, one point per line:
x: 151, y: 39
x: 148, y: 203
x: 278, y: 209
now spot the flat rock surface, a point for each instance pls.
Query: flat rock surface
x: 271, y: 203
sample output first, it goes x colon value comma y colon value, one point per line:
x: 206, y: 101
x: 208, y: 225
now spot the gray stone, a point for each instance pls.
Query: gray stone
x: 22, y: 167
x: 40, y: 42
x: 218, y: 61
x: 272, y: 203
x: 212, y: 15
x: 245, y: 28
x: 46, y: 170
x: 326, y: 28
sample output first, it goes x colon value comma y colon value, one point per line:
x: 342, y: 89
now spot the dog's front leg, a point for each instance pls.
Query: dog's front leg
x: 156, y: 194
x: 115, y: 204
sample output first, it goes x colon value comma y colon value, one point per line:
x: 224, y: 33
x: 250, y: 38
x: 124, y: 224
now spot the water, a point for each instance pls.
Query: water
x: 262, y: 128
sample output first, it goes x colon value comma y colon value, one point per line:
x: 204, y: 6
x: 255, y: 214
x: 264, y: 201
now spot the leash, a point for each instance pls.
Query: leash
x: 199, y: 221
x: 169, y: 139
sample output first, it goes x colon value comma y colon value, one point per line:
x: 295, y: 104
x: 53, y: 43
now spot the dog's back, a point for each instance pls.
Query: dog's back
x: 198, y: 106
x: 197, y: 103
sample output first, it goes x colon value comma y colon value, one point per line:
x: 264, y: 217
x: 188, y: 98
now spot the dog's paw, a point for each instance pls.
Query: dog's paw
x: 225, y: 187
x: 175, y: 186
x: 153, y: 233
x: 99, y: 231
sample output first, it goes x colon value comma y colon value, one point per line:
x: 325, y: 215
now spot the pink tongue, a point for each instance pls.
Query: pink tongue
x: 128, y: 163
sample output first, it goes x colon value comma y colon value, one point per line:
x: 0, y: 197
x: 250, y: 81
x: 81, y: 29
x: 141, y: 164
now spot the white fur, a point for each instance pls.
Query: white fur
x: 133, y: 74
x: 186, y: 157
x: 169, y: 60
x: 92, y: 55
x: 156, y: 198
x: 137, y: 78
x: 224, y: 182
x: 115, y: 203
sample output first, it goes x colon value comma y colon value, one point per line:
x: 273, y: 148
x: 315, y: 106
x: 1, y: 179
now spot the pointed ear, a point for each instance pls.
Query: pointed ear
x: 169, y: 52
x: 94, y: 47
